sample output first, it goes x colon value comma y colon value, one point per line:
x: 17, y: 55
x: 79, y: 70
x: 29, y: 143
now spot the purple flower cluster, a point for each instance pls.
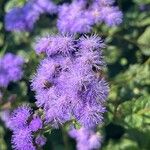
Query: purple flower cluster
x: 24, y: 124
x: 24, y: 18
x: 79, y: 16
x: 10, y: 69
x: 68, y: 83
x: 86, y: 139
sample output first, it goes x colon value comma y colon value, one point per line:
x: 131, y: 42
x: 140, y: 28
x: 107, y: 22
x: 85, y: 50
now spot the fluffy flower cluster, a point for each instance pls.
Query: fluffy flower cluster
x: 24, y: 124
x: 24, y: 18
x: 68, y: 83
x: 10, y: 69
x: 86, y: 139
x: 80, y: 16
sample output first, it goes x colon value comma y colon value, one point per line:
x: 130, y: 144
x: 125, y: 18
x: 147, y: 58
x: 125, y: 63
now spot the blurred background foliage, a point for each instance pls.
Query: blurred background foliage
x: 127, y: 122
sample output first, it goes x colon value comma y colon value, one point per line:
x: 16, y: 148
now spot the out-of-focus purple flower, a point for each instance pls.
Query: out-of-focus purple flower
x: 80, y: 16
x: 74, y: 18
x: 5, y: 117
x: 43, y: 6
x: 66, y: 84
x: 14, y: 20
x: 24, y: 18
x: 21, y: 19
x: 111, y: 15
x: 86, y: 139
x: 40, y: 140
x: 105, y: 2
x: 10, y: 69
x: 35, y: 124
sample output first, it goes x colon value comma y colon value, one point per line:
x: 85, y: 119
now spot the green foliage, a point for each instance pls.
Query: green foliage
x: 144, y: 41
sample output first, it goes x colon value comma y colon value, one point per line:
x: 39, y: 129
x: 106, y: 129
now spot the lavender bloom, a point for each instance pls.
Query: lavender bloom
x: 74, y: 18
x: 43, y: 6
x: 24, y: 124
x: 90, y: 115
x: 91, y: 43
x: 19, y: 117
x: 42, y: 45
x: 51, y: 47
x: 14, y: 20
x: 24, y: 18
x: 22, y: 139
x: 10, y: 69
x: 40, y: 140
x: 108, y: 14
x: 111, y: 15
x: 105, y: 2
x: 21, y: 19
x: 80, y: 16
x: 66, y: 84
x: 35, y: 124
x: 86, y: 139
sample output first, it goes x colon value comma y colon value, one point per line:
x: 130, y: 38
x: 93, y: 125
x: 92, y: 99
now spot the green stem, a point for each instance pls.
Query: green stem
x: 65, y: 139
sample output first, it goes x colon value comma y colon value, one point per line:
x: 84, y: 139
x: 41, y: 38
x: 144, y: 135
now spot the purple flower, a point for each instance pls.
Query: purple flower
x: 42, y: 44
x: 51, y: 47
x: 86, y: 139
x: 74, y: 18
x: 80, y: 16
x: 111, y: 16
x: 21, y: 19
x: 43, y: 6
x: 24, y: 18
x: 105, y: 2
x: 35, y: 124
x: 90, y: 43
x: 40, y: 140
x: 19, y: 117
x: 10, y: 69
x: 24, y: 124
x: 90, y: 115
x: 66, y: 84
x: 22, y: 139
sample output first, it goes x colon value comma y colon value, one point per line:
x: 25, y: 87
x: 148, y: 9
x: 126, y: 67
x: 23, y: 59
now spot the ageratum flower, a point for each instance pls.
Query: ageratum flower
x: 73, y: 18
x: 10, y: 69
x: 19, y: 117
x: 44, y: 6
x: 80, y: 16
x: 102, y: 12
x: 24, y: 125
x: 86, y: 139
x: 24, y: 18
x: 67, y: 85
x: 51, y: 47
x: 22, y: 139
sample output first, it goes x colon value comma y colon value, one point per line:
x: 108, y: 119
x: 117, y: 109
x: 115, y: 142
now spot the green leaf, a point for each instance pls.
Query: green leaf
x: 135, y: 113
x: 123, y: 144
x: 144, y: 42
x: 140, y: 2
